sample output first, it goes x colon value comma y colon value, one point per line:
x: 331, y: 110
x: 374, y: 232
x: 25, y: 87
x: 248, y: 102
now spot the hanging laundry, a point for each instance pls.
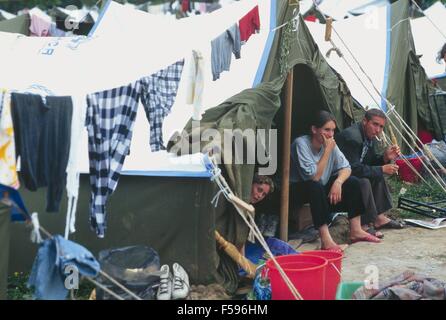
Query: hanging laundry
x: 110, y: 118
x: 222, y: 48
x: 159, y: 91
x: 39, y: 27
x: 73, y: 166
x: 195, y: 83
x: 212, y: 6
x: 249, y: 24
x: 202, y: 7
x: 56, y: 259
x: 42, y: 136
x: 185, y: 6
x: 56, y: 32
x: 11, y: 198
x: 8, y: 170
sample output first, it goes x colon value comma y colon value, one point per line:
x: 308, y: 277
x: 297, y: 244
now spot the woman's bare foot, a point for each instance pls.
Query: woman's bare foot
x: 361, y: 235
x: 336, y: 248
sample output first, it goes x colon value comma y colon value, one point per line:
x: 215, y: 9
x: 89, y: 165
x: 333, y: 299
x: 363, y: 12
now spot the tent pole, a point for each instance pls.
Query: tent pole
x: 284, y: 197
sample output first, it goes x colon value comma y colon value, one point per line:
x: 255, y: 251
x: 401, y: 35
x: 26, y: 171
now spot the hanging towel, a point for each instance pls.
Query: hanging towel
x: 110, y: 118
x: 56, y: 32
x: 42, y: 136
x: 78, y: 132
x: 8, y: 170
x: 195, y: 83
x: 39, y: 27
x: 249, y: 24
x: 159, y: 91
x: 222, y: 48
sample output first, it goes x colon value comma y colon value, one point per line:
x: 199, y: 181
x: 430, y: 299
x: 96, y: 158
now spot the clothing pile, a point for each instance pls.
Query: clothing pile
x: 406, y: 286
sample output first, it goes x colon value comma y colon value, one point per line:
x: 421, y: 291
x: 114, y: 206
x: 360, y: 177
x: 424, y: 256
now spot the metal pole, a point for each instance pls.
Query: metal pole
x: 284, y: 197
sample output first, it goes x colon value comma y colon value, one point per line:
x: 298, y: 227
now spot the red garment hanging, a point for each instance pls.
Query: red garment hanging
x: 249, y: 24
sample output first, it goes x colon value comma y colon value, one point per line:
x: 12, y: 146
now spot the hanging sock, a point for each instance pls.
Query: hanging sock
x: 70, y: 221
x: 35, y: 233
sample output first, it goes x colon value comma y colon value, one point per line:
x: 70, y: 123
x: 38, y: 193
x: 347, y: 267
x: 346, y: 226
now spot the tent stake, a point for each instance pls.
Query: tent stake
x: 284, y: 197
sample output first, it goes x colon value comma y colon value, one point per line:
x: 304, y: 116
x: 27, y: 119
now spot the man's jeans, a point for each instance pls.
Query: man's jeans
x: 56, y: 259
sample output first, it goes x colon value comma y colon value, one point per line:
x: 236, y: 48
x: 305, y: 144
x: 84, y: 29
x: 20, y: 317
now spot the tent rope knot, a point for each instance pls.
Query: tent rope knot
x: 215, y: 199
x: 35, y: 233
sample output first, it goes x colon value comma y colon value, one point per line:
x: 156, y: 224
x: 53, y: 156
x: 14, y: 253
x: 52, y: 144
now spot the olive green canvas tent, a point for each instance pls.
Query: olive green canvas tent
x: 172, y: 212
x: 18, y: 24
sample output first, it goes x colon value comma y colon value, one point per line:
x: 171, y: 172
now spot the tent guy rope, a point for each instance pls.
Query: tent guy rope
x: 392, y: 110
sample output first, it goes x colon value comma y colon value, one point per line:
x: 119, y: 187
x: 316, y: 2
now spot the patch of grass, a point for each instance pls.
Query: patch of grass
x: 418, y: 192
x: 17, y: 289
x: 84, y: 291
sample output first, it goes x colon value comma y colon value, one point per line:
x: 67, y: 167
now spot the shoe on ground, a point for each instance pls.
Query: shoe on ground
x: 165, y: 287
x: 180, y: 282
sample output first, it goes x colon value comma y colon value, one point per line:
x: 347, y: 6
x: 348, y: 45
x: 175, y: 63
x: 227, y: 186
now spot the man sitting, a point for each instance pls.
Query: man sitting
x: 357, y: 143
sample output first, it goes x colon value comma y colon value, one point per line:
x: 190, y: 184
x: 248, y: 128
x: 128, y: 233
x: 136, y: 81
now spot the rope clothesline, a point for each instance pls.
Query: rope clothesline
x: 406, y: 161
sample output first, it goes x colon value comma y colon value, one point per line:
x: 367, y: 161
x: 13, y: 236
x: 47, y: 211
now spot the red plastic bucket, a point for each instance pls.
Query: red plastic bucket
x: 306, y: 272
x: 406, y: 172
x: 332, y: 272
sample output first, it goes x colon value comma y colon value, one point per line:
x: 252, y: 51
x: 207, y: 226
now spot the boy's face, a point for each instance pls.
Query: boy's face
x: 259, y: 192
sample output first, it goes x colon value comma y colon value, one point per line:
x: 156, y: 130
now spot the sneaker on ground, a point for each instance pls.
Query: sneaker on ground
x: 165, y: 287
x: 180, y: 282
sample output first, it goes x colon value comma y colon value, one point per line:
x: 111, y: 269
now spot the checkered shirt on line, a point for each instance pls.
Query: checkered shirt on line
x: 110, y: 118
x: 159, y: 91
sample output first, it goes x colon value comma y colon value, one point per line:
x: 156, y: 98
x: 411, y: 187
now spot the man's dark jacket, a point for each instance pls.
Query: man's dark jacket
x: 350, y: 141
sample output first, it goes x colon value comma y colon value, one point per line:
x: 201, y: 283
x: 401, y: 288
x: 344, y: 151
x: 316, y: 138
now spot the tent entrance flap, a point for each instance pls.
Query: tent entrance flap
x: 307, y: 100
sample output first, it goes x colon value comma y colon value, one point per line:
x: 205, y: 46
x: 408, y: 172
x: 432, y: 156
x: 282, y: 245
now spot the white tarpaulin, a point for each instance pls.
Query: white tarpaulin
x: 5, y: 15
x: 428, y: 40
x: 366, y: 37
x: 341, y: 9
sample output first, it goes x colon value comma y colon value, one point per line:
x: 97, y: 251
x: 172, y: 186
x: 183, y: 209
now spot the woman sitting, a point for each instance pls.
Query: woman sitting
x: 321, y: 176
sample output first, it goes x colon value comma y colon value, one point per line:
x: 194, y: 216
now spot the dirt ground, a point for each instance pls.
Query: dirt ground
x: 417, y: 249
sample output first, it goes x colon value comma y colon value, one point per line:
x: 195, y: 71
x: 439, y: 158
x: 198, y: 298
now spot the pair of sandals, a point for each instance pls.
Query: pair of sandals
x: 392, y: 224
